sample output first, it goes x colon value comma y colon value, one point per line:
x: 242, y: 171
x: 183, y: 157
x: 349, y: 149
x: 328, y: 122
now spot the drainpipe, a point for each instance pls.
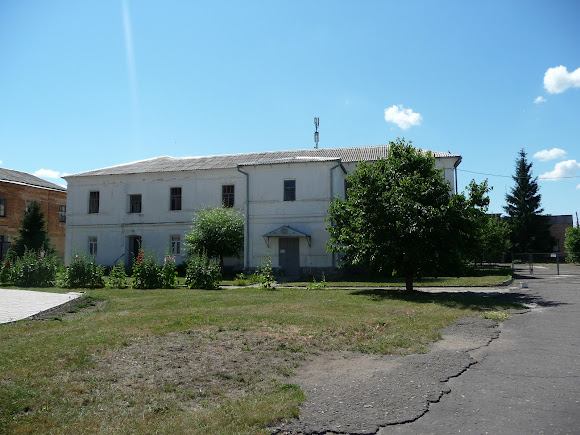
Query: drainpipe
x: 247, y: 225
x: 339, y: 164
x: 455, y: 168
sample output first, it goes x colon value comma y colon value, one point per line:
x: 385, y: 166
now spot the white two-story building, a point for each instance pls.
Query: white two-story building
x: 283, y: 195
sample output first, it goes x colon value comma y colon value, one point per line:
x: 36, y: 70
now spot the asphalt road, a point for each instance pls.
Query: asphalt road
x: 527, y: 381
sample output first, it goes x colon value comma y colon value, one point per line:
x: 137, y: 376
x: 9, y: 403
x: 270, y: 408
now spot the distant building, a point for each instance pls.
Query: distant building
x: 283, y: 195
x: 558, y: 225
x: 17, y: 191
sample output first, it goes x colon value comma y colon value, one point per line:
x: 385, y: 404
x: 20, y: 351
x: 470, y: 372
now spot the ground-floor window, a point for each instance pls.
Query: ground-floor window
x: 93, y: 245
x: 176, y: 244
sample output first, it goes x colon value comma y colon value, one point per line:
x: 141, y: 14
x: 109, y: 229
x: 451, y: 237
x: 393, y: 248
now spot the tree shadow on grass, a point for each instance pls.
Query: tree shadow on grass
x: 463, y: 300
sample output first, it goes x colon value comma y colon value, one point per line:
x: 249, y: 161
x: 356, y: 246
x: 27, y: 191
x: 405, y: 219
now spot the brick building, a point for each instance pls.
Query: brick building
x: 17, y: 190
x: 558, y: 225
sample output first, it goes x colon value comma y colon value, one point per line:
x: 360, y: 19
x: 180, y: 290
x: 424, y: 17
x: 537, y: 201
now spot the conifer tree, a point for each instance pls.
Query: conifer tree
x: 33, y: 233
x: 529, y: 230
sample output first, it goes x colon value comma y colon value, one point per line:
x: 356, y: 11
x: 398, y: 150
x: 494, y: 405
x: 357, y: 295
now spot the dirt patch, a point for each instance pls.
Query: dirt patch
x: 75, y: 307
x: 197, y: 368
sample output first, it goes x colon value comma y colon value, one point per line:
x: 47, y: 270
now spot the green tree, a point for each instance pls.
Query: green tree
x: 400, y: 216
x: 488, y: 239
x: 217, y: 232
x: 33, y: 233
x: 529, y: 230
x: 572, y: 244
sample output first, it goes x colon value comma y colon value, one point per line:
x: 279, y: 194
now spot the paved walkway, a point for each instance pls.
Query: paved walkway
x: 20, y: 304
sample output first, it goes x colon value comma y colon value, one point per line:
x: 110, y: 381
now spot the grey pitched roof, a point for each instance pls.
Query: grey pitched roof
x: 173, y: 164
x: 12, y: 176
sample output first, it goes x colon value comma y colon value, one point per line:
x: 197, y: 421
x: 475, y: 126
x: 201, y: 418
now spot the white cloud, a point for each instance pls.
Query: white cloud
x: 0, y: 162
x: 539, y: 100
x: 47, y: 173
x: 404, y: 118
x: 558, y: 79
x: 553, y: 154
x: 565, y: 169
x: 578, y: 187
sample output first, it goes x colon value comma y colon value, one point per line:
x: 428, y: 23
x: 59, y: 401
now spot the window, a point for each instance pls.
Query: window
x: 62, y: 213
x: 93, y: 246
x: 289, y: 190
x: 228, y: 195
x: 134, y: 203
x: 176, y: 245
x: 346, y: 187
x: 2, y: 207
x: 93, y: 202
x: 175, y: 198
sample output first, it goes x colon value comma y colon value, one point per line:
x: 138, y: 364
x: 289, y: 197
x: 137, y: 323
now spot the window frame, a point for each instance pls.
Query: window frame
x: 175, y: 244
x: 93, y: 246
x: 94, y: 201
x: 62, y: 213
x: 2, y: 207
x: 134, y: 200
x: 175, y: 198
x: 290, y: 189
x: 228, y: 198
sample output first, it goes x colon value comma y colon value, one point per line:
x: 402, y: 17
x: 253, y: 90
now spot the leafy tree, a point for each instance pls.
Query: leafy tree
x: 400, y: 216
x: 489, y: 235
x: 33, y: 233
x: 217, y: 232
x: 572, y: 244
x: 528, y: 227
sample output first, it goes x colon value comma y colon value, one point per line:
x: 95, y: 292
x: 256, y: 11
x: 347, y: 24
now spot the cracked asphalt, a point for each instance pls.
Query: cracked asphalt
x: 519, y: 377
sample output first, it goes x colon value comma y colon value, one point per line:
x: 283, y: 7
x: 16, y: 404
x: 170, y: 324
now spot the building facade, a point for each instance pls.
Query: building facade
x: 17, y: 191
x: 283, y: 195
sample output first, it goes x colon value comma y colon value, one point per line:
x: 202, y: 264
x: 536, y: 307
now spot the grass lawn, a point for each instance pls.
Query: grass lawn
x: 195, y: 361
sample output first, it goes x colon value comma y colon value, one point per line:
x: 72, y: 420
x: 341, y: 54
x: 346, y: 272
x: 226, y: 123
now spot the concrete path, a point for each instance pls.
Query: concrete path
x: 20, y: 304
x: 527, y: 381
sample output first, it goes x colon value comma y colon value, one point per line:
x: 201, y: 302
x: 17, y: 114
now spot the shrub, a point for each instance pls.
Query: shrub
x: 146, y: 272
x: 203, y: 272
x: 82, y: 272
x: 118, y: 276
x: 265, y: 274
x: 168, y: 272
x: 34, y: 269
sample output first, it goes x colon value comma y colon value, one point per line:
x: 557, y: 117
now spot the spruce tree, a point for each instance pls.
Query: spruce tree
x: 529, y: 230
x: 33, y: 233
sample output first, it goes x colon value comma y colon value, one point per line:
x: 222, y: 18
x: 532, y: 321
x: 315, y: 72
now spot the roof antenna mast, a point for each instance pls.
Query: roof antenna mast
x: 316, y: 123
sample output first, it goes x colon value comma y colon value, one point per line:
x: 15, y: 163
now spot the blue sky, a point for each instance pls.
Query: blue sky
x: 90, y: 84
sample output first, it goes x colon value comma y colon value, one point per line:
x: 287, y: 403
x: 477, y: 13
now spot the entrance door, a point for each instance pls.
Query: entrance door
x: 134, y: 246
x: 289, y: 254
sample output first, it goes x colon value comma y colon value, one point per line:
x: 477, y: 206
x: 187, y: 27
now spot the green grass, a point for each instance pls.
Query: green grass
x: 53, y: 382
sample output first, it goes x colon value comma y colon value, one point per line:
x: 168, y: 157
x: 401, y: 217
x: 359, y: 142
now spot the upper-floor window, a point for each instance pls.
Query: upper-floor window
x: 94, y: 202
x: 175, y: 198
x: 228, y: 195
x: 62, y: 213
x: 134, y: 203
x: 2, y: 207
x: 92, y: 246
x: 289, y: 190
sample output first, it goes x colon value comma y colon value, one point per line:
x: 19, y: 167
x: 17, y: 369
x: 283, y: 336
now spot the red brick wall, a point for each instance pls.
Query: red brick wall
x: 16, y: 196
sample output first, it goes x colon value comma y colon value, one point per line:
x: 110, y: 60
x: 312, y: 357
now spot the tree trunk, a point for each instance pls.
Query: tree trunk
x: 409, y: 281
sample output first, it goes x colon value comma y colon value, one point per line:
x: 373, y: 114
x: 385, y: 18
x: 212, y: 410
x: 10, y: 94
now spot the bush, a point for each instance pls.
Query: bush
x: 117, y: 276
x: 82, y: 272
x: 147, y: 274
x: 572, y: 244
x: 33, y: 269
x: 265, y: 274
x: 203, y: 272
